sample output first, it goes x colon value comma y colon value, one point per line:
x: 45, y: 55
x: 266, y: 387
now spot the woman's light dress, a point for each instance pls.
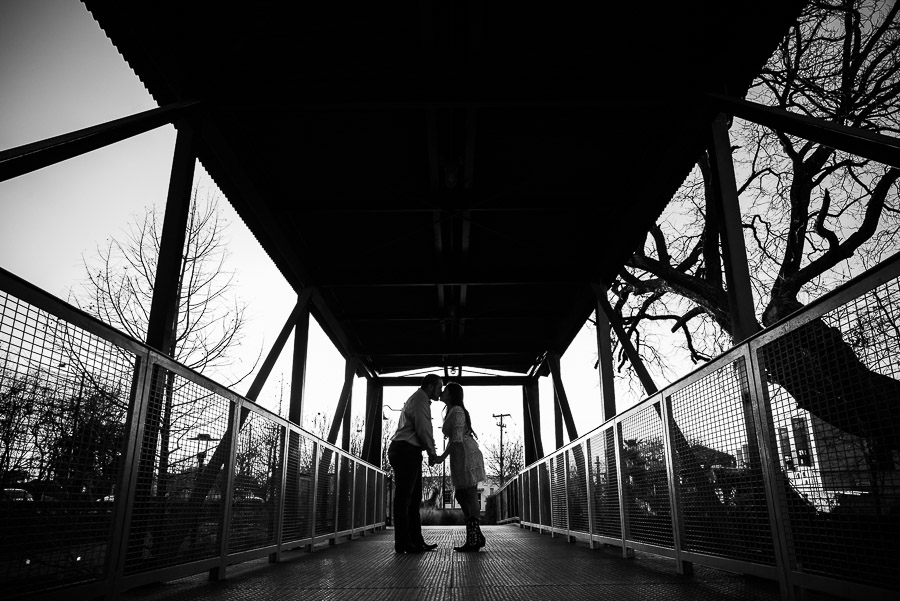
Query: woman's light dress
x: 466, y: 467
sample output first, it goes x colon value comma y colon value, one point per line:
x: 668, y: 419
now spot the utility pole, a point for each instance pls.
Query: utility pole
x: 502, y: 425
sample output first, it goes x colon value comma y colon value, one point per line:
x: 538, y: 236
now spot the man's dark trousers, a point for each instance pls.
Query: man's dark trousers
x: 406, y: 459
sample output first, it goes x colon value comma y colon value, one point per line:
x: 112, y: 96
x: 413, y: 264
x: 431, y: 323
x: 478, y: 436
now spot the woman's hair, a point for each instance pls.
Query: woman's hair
x: 456, y: 400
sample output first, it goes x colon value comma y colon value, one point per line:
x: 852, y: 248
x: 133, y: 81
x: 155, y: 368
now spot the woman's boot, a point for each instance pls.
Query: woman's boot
x: 471, y: 543
x: 479, y: 535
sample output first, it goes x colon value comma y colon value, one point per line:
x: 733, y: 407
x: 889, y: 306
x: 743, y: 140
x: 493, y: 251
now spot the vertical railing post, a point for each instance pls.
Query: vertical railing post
x: 623, y: 513
x: 126, y: 487
x: 337, y: 496
x: 234, y: 418
x: 569, y: 537
x: 765, y: 429
x: 282, y: 490
x: 672, y: 468
x: 365, y: 520
x: 588, y: 479
x: 537, y: 497
x: 523, y: 490
x: 551, y: 462
x: 317, y: 457
x: 353, y: 499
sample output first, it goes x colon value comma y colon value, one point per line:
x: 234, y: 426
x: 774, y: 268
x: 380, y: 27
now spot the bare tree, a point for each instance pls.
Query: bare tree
x: 119, y: 280
x: 504, y: 462
x: 118, y: 289
x: 811, y: 215
x: 23, y: 406
x: 319, y: 425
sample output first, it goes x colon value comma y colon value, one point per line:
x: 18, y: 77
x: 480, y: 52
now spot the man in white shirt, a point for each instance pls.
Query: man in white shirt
x: 414, y: 434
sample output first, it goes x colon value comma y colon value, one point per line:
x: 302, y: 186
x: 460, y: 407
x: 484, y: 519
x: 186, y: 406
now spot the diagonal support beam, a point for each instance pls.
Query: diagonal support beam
x: 343, y: 405
x: 259, y: 381
x: 559, y: 394
x: 298, y: 365
x: 878, y: 147
x: 630, y: 352
x: 605, y: 365
x: 531, y: 401
x: 166, y: 293
x: 737, y: 270
x: 37, y: 155
x: 371, y: 450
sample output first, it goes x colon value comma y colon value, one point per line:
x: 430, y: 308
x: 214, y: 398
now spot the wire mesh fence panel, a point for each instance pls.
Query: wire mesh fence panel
x: 515, y: 498
x: 370, y: 500
x: 604, y: 481
x: 647, y: 506
x: 833, y: 390
x: 298, y: 488
x: 718, y: 467
x: 181, y: 477
x: 345, y: 493
x: 530, y: 494
x: 543, y: 478
x: 576, y: 489
x: 359, y: 498
x: 381, y: 497
x: 257, y: 483
x: 64, y: 399
x: 560, y: 515
x: 326, y: 492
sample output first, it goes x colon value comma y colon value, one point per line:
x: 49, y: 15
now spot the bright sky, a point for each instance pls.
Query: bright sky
x: 60, y: 73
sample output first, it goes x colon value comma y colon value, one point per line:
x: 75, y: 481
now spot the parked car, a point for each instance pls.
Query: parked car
x: 15, y: 494
x: 243, y: 495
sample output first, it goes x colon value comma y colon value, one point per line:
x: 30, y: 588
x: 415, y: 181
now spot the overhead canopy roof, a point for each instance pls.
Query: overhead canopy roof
x: 451, y: 177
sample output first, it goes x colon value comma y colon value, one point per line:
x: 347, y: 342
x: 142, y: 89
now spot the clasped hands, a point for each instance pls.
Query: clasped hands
x: 435, y: 459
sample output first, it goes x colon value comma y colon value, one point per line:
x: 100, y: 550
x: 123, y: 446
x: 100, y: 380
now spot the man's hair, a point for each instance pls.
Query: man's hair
x: 431, y: 380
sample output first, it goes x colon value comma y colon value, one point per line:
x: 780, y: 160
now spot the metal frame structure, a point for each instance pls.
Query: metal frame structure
x: 23, y: 309
x: 152, y: 366
x: 781, y: 525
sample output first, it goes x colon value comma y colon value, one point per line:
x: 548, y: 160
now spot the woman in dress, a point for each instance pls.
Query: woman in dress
x: 466, y: 463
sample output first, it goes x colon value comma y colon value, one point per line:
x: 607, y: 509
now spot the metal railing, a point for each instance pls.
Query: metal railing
x: 121, y: 467
x: 778, y: 459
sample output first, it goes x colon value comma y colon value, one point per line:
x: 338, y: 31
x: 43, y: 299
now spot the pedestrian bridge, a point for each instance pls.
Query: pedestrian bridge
x: 450, y: 188
x: 200, y: 480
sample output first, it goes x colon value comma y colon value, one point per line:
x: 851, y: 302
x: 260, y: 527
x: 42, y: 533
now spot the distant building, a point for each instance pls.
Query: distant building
x: 431, y: 486
x: 827, y: 466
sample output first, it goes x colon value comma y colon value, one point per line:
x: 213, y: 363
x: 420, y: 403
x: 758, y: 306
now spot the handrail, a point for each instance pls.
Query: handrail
x: 76, y: 370
x: 744, y: 476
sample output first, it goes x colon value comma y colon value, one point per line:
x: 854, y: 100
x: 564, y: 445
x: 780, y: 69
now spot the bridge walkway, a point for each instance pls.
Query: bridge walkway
x: 515, y: 564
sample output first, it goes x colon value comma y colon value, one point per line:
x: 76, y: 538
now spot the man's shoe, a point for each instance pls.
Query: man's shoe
x: 428, y: 546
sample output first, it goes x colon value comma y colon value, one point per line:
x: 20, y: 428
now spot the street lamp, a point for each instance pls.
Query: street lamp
x: 383, y: 416
x: 201, y: 455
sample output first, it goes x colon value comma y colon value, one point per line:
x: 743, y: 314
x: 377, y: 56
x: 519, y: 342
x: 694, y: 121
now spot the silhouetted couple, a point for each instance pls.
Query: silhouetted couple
x: 413, y: 436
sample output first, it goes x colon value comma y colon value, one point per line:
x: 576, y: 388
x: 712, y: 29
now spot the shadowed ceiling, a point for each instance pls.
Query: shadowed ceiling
x: 451, y: 177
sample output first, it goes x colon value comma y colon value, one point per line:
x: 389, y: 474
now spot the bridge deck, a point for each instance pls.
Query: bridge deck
x: 515, y: 564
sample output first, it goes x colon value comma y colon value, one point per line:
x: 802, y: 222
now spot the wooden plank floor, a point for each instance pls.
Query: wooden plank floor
x: 516, y: 564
